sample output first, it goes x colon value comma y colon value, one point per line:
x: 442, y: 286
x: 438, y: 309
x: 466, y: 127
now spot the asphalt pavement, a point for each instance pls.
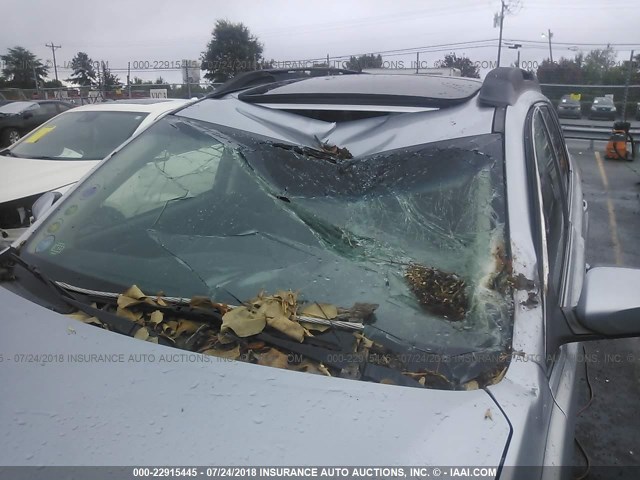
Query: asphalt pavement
x: 608, y: 428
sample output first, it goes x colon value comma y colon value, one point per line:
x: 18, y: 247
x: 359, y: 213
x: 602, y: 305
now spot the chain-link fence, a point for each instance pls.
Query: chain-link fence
x: 86, y: 95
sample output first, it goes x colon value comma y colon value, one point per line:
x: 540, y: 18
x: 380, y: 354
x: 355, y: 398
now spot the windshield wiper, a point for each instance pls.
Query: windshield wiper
x: 7, y: 153
x: 119, y: 324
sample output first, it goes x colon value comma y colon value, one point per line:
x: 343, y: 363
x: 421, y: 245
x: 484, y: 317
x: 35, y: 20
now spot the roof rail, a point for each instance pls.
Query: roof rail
x: 503, y: 85
x: 262, y: 77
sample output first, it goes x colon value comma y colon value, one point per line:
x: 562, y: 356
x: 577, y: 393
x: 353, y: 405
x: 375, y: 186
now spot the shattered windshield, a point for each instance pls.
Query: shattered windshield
x: 413, y: 239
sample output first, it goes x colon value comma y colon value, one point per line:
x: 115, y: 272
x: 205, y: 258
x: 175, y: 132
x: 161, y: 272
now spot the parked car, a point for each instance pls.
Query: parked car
x: 407, y: 250
x: 603, y: 107
x: 569, y: 108
x: 18, y: 118
x: 3, y: 100
x: 61, y: 151
x: 638, y: 111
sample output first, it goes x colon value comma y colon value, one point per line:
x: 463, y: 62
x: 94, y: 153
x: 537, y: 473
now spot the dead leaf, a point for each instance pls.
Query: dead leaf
x: 126, y: 302
x: 134, y: 292
x: 78, y: 316
x: 243, y: 322
x: 422, y: 381
x: 286, y: 326
x: 128, y: 314
x: 71, y: 331
x: 170, y: 327
x: 316, y: 327
x: 156, y: 317
x: 307, y: 366
x: 233, y: 353
x: 498, y: 378
x: 152, y: 339
x: 187, y: 326
x: 93, y: 321
x: 488, y: 415
x: 472, y: 385
x: 273, y: 358
x: 320, y: 310
x: 366, y: 343
x: 270, y: 308
x: 142, y: 333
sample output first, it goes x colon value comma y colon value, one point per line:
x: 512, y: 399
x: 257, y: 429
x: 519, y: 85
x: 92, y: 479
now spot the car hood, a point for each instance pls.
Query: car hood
x: 58, y: 409
x: 23, y: 177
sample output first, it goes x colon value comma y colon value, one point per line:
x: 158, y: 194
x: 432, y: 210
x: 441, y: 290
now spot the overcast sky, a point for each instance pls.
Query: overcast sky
x: 154, y: 31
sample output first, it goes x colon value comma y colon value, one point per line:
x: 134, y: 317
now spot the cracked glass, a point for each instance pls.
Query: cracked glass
x: 190, y: 208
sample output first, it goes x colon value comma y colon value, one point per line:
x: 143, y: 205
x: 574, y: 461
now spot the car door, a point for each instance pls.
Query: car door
x: 62, y: 107
x: 47, y: 111
x: 552, y: 176
x: 553, y: 179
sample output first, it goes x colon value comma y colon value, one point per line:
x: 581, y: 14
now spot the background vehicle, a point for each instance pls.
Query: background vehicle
x: 17, y: 118
x: 61, y: 151
x: 603, y: 107
x: 347, y: 189
x: 569, y: 108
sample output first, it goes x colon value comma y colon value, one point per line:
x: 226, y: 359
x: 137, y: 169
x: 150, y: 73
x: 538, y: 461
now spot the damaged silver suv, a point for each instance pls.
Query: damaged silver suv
x: 400, y: 256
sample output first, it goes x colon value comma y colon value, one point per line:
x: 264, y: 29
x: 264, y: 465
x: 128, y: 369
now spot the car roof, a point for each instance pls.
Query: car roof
x: 148, y: 101
x: 321, y: 86
x: 364, y: 89
x: 132, y: 107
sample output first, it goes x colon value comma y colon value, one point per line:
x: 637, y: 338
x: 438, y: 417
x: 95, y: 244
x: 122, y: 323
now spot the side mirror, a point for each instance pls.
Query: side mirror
x: 27, y: 115
x: 43, y: 203
x: 610, y: 301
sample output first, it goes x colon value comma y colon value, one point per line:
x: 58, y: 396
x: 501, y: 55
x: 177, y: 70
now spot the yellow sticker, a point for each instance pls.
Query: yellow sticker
x: 38, y: 134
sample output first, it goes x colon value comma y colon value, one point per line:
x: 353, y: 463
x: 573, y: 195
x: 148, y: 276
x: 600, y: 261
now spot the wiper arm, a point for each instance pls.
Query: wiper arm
x: 7, y: 153
x: 119, y: 324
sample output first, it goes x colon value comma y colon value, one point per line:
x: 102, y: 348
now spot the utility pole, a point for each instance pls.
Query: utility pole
x: 129, y: 78
x: 501, y: 23
x: 549, y: 34
x: 53, y: 51
x: 626, y: 88
x: 35, y: 78
x: 186, y: 76
x: 516, y: 46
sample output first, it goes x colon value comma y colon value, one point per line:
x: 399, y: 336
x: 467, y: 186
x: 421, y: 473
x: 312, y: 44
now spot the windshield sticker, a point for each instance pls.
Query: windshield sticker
x: 45, y: 243
x: 57, y: 248
x: 38, y: 134
x: 89, y: 192
x: 71, y: 210
x: 54, y: 227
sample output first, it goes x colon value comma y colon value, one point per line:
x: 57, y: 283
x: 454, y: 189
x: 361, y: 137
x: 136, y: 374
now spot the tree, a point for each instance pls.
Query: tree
x: 19, y: 67
x: 567, y: 71
x: 466, y: 66
x: 364, y: 61
x: 232, y: 50
x: 53, y: 84
x: 84, y: 73
x: 109, y: 80
x: 597, y: 64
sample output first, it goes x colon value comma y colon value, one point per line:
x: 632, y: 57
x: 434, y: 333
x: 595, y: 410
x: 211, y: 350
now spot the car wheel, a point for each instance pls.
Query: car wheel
x: 10, y: 136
